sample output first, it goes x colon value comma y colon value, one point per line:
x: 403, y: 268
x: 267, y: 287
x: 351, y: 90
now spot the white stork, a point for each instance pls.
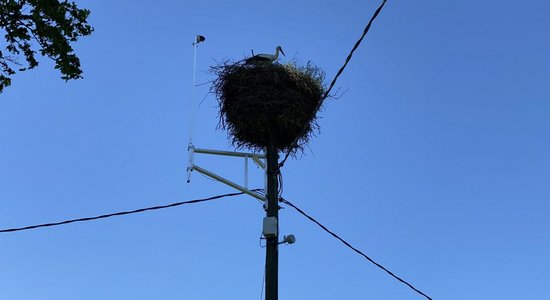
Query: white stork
x: 261, y: 59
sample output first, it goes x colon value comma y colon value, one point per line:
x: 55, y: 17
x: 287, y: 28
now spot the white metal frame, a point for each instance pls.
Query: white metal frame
x: 259, y: 159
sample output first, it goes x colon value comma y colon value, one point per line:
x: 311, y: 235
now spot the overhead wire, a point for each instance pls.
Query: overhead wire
x: 263, y: 284
x: 353, y: 248
x: 135, y: 211
x: 140, y: 210
x: 333, y: 82
x: 280, y: 185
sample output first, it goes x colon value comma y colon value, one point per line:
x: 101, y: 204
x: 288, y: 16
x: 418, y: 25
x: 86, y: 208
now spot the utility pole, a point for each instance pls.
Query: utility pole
x: 272, y: 242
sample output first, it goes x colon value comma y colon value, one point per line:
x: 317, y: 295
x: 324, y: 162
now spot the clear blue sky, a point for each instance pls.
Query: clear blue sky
x: 435, y: 162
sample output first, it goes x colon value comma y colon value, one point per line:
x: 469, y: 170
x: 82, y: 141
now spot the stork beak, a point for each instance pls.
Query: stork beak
x: 283, y: 52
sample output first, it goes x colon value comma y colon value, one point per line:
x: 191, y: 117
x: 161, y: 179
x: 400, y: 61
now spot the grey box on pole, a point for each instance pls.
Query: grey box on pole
x: 270, y: 227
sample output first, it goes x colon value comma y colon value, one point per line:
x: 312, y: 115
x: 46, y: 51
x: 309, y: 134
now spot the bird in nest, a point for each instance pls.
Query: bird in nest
x: 264, y: 59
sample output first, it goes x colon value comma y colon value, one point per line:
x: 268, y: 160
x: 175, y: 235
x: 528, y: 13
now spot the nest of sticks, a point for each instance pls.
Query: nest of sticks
x: 259, y: 104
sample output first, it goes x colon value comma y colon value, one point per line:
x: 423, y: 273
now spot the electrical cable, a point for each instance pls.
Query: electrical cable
x: 280, y: 179
x: 353, y: 248
x: 120, y: 213
x: 353, y: 50
x: 262, y: 246
x: 263, y: 284
x: 333, y: 82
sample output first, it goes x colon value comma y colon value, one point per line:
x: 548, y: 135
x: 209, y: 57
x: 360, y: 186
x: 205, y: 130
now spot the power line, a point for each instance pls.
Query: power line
x: 353, y: 50
x: 333, y: 82
x: 353, y: 248
x: 119, y: 213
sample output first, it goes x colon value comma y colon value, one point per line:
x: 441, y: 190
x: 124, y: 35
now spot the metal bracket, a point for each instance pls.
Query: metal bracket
x: 256, y: 157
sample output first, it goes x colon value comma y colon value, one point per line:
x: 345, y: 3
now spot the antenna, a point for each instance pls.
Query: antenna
x: 190, y: 147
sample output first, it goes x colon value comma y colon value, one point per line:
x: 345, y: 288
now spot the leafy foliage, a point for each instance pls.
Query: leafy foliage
x: 50, y: 26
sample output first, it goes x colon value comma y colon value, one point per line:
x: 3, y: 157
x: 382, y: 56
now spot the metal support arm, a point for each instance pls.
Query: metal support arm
x: 229, y: 183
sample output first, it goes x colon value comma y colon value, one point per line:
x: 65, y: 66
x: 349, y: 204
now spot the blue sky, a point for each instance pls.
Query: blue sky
x: 435, y: 162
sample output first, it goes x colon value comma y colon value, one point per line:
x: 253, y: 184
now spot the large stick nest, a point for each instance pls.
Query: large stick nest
x: 277, y: 102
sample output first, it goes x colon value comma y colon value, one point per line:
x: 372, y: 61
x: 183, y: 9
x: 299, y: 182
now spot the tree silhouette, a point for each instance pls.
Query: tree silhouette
x: 44, y: 26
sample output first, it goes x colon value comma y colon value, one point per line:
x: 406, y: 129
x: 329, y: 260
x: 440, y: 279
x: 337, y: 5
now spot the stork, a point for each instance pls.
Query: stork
x: 261, y: 59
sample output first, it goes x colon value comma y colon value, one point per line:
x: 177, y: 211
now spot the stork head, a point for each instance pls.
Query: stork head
x: 280, y: 49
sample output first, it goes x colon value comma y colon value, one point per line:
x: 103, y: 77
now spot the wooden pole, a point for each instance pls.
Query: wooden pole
x: 272, y: 245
